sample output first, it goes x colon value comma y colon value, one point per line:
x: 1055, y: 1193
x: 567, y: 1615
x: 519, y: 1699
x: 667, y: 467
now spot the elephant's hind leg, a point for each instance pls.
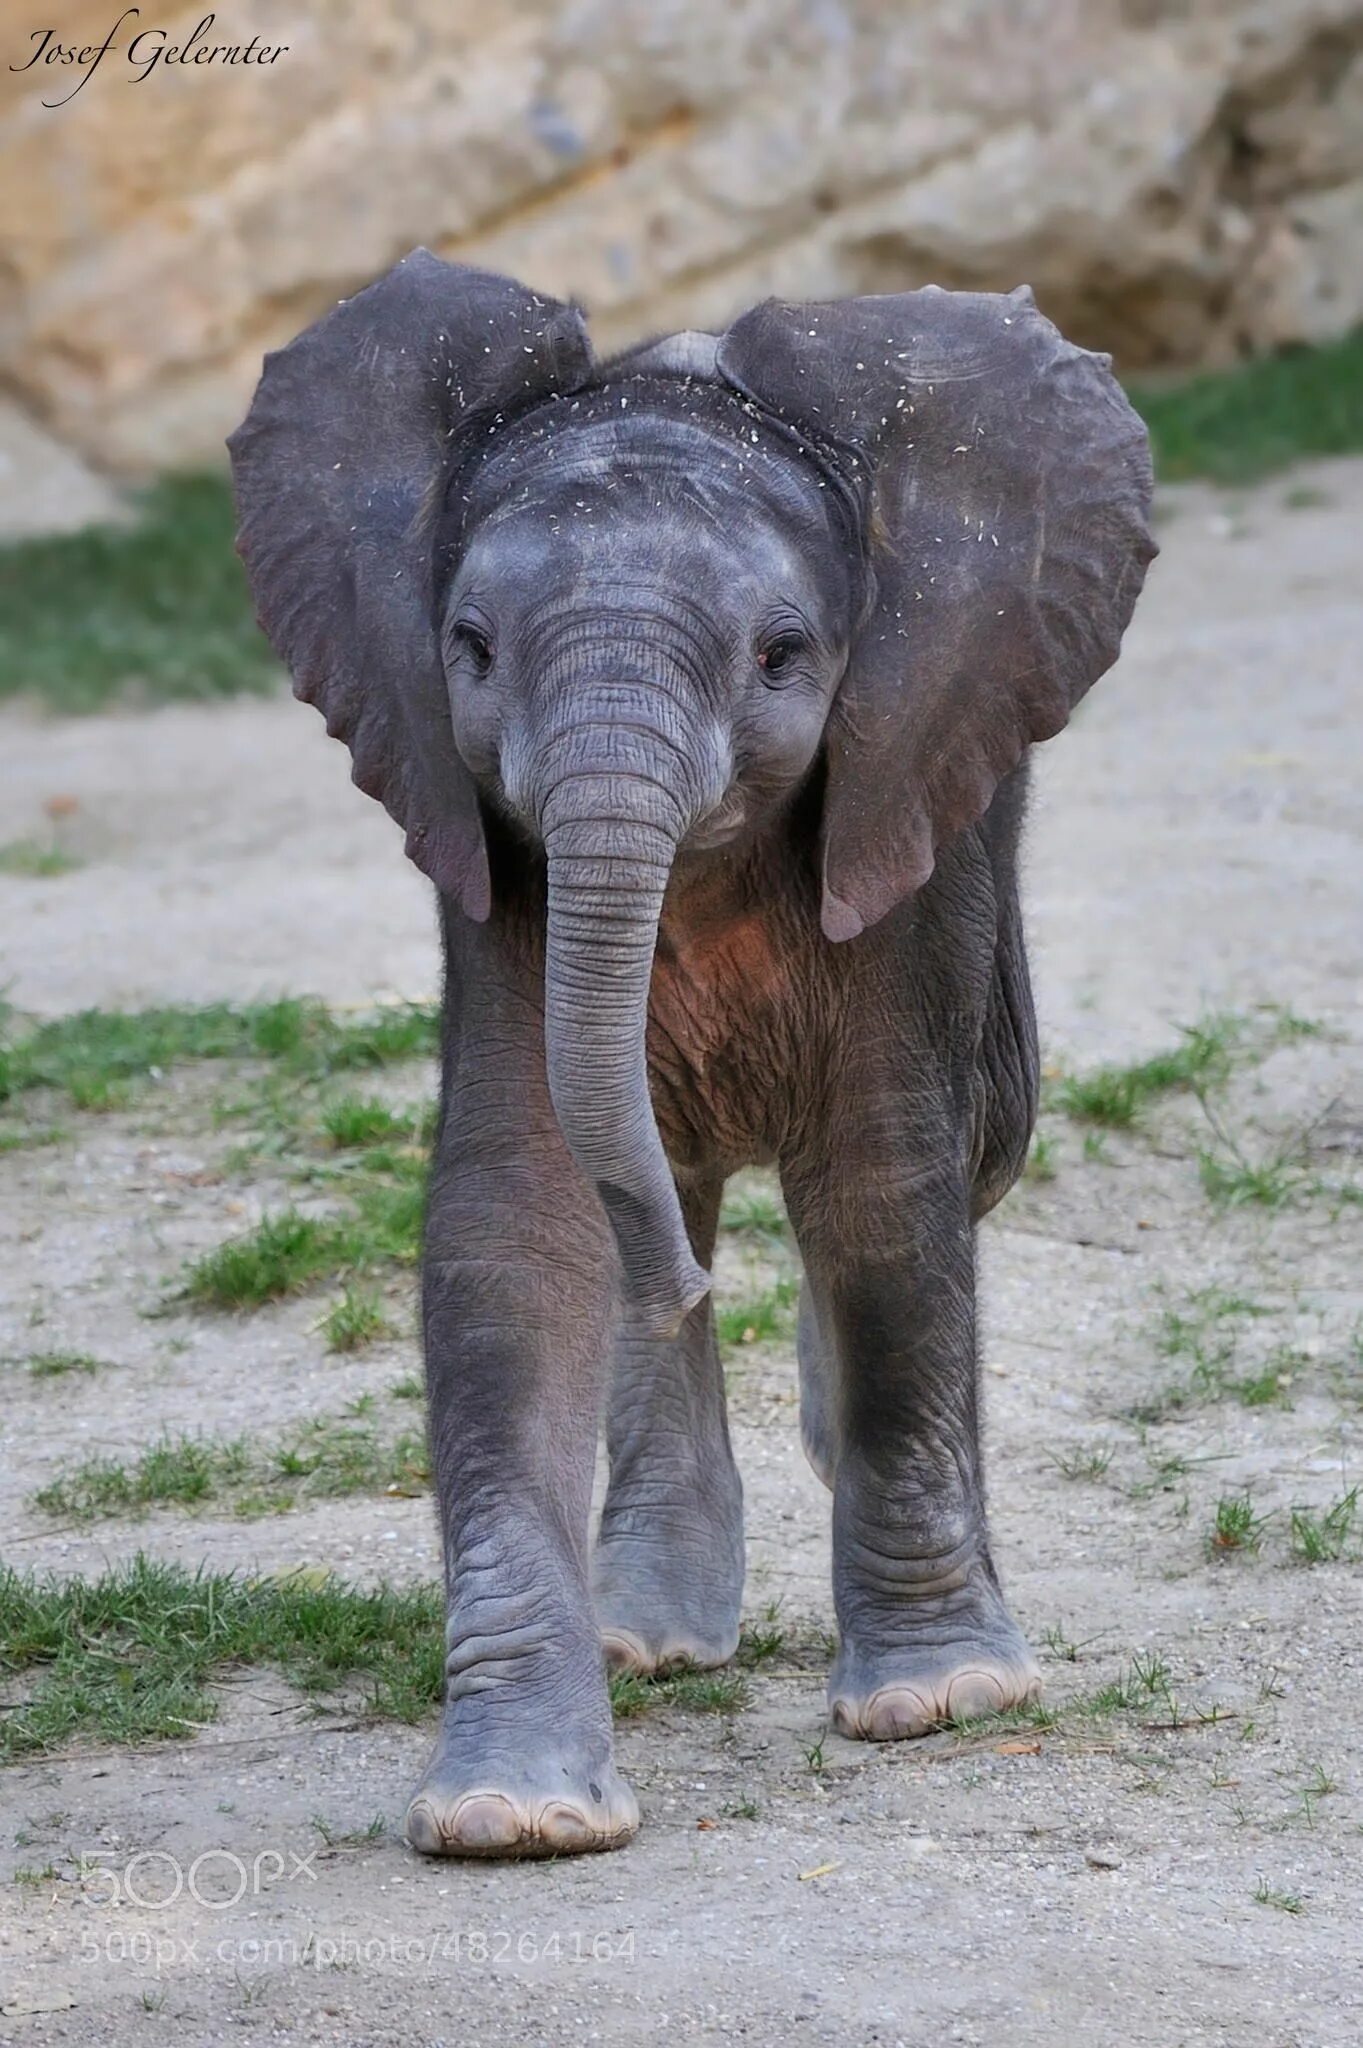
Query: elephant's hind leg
x: 668, y: 1568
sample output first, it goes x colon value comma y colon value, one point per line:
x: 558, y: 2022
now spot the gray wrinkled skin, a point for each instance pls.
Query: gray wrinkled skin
x: 702, y: 683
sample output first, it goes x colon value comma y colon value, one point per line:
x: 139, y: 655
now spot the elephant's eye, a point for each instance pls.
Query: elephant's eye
x: 778, y: 656
x: 473, y: 642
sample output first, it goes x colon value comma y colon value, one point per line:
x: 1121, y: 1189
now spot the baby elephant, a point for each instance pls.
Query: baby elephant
x: 702, y: 682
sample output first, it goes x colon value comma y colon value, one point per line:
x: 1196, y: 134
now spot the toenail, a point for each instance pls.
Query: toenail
x: 484, y: 1820
x: 565, y: 1827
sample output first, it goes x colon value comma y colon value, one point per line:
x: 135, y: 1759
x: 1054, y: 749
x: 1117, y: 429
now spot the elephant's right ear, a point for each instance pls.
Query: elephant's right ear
x: 1007, y: 484
x: 340, y: 470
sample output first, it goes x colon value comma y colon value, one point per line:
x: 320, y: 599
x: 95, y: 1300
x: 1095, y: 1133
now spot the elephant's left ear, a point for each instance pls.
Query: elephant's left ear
x: 341, y: 468
x: 1007, y: 483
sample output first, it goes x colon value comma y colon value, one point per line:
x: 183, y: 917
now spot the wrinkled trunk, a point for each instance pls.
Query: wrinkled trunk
x: 610, y: 837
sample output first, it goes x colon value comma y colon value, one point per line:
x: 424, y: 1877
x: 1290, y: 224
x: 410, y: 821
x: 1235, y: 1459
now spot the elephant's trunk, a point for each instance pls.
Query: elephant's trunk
x: 610, y: 836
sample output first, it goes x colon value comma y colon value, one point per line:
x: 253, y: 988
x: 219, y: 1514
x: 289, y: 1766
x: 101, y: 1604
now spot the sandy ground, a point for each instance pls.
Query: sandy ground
x: 1195, y: 844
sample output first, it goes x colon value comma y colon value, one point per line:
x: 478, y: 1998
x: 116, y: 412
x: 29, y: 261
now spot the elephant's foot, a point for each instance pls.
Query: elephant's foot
x: 668, y: 1588
x: 523, y: 1765
x: 975, y: 1664
x: 539, y: 1800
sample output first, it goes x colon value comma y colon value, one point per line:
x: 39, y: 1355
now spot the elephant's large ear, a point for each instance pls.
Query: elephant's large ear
x: 1007, y: 486
x: 340, y: 469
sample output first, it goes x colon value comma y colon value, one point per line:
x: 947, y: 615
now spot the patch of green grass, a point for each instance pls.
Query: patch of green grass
x: 284, y: 1254
x: 1322, y: 1538
x: 1042, y: 1160
x: 1143, y: 1687
x: 355, y: 1320
x: 31, y: 858
x: 408, y: 1388
x: 1081, y: 1464
x: 1236, y: 1529
x: 350, y: 1838
x: 320, y: 1460
x: 699, y: 1692
x: 1117, y: 1096
x: 754, y: 1212
x: 1230, y: 1180
x: 1319, y: 1785
x: 1209, y: 1052
x: 1285, y: 1902
x: 131, y: 1656
x: 373, y: 1164
x: 153, y: 610
x: 51, y: 1365
x: 389, y: 1215
x: 1184, y: 1332
x: 28, y: 1136
x: 180, y: 1471
x: 759, y: 1319
x: 1203, y: 1332
x: 92, y: 1053
x: 763, y: 1639
x: 1145, y: 1681
x: 1268, y: 1387
x: 354, y: 1120
x: 1235, y: 425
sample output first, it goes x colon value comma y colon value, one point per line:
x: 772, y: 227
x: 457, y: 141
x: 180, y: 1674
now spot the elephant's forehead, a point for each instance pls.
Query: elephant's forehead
x: 581, y: 456
x: 667, y: 526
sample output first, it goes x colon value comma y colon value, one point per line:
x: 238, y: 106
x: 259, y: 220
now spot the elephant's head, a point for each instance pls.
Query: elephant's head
x: 629, y: 606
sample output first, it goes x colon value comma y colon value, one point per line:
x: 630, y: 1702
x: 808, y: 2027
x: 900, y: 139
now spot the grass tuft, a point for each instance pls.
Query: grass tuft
x: 355, y: 1320
x: 1236, y: 1530
x: 1322, y: 1538
x: 93, y: 1054
x: 130, y: 1656
x: 759, y: 1319
x: 321, y: 1460
x: 1042, y: 1159
x: 1264, y: 1894
x: 354, y: 1120
x: 51, y: 1365
x: 284, y: 1254
x: 1083, y: 1464
x: 1230, y: 1180
x: 700, y: 1692
x: 755, y: 1211
x: 1117, y: 1096
x: 39, y: 863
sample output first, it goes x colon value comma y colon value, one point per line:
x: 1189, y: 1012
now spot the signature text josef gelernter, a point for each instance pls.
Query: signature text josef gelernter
x: 143, y: 51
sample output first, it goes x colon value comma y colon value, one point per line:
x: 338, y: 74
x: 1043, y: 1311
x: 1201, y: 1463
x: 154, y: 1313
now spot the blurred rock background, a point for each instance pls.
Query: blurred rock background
x: 1180, y: 180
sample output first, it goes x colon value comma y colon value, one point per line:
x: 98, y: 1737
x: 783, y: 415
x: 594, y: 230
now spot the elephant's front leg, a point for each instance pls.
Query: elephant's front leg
x: 924, y: 1634
x: 668, y: 1570
x: 518, y: 1297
